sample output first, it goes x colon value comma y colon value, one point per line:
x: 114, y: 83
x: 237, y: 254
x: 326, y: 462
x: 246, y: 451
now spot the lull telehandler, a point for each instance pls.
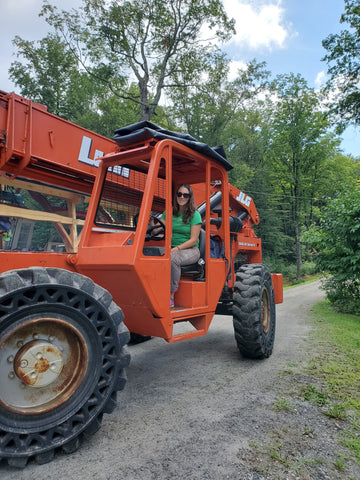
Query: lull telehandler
x: 67, y: 304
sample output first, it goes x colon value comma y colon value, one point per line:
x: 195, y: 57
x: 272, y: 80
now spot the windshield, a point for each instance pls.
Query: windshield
x: 122, y: 197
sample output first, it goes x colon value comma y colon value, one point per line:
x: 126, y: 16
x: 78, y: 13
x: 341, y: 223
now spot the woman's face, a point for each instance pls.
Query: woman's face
x: 182, y: 196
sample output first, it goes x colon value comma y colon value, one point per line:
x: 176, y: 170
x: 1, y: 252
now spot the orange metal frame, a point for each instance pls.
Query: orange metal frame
x: 39, y: 146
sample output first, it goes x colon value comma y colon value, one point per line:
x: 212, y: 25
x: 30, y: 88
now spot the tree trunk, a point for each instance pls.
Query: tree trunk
x: 296, y: 218
x: 144, y: 99
x: 298, y: 250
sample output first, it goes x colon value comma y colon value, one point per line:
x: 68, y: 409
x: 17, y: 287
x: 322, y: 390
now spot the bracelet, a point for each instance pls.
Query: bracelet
x: 178, y: 248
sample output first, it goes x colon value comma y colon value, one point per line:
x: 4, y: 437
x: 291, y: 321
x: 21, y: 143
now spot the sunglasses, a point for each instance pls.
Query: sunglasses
x: 185, y: 195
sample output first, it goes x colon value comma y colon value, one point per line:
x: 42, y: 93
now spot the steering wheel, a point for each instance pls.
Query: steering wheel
x: 160, y: 230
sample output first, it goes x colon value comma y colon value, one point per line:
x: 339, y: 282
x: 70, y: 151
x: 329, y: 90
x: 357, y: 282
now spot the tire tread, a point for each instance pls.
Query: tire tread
x: 14, y: 280
x: 251, y: 340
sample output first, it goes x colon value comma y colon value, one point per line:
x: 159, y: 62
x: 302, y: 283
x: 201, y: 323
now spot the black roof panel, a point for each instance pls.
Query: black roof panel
x: 138, y: 132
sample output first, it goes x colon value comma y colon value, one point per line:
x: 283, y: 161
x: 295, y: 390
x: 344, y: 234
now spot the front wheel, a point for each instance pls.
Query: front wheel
x: 254, y: 311
x: 62, y: 358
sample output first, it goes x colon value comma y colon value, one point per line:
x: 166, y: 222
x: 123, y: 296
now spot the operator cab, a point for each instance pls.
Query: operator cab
x: 133, y: 185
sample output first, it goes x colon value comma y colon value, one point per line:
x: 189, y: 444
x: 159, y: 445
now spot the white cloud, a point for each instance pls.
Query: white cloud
x: 258, y: 26
x: 320, y: 79
x: 235, y: 66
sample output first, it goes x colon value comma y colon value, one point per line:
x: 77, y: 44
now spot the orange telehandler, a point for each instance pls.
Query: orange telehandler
x: 81, y: 267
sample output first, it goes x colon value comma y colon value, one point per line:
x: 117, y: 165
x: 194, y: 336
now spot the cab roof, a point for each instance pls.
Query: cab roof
x: 142, y: 131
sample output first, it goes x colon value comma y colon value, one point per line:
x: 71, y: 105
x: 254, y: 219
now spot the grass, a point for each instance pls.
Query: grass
x: 339, y: 464
x: 337, y: 365
x: 314, y: 395
x: 275, y: 454
x: 305, y: 279
x: 334, y: 365
x: 282, y: 404
x: 308, y: 432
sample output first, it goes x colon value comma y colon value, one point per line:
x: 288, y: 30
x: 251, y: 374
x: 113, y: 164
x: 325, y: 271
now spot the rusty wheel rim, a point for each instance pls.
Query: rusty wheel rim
x: 265, y: 311
x: 42, y: 363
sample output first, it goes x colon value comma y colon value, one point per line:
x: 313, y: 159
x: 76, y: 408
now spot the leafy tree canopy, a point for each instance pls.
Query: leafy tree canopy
x: 298, y: 145
x: 46, y: 71
x: 149, y: 41
x: 49, y: 73
x: 343, y: 58
x: 336, y: 241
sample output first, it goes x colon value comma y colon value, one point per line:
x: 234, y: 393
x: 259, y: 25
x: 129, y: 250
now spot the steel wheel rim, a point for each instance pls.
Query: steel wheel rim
x: 57, y: 355
x: 265, y: 311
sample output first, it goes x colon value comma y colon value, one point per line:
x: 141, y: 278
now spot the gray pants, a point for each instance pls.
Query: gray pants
x: 178, y: 258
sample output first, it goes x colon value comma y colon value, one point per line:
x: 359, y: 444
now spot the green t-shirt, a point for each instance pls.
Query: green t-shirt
x: 181, y: 231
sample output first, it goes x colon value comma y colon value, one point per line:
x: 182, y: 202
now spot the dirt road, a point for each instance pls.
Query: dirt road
x: 197, y: 410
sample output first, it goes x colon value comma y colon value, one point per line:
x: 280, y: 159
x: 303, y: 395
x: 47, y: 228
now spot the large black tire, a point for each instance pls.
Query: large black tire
x: 254, y: 311
x: 62, y: 358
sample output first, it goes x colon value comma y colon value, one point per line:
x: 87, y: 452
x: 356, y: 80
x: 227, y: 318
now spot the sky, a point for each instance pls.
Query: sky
x: 286, y: 34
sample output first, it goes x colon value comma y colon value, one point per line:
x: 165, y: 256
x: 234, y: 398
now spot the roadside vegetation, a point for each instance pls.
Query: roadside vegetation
x: 336, y: 363
x: 317, y: 405
x: 335, y: 241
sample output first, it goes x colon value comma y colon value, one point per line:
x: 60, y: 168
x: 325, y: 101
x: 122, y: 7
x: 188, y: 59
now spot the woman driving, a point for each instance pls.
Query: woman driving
x: 186, y: 226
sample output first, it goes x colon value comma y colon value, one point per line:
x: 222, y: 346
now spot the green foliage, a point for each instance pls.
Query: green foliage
x: 214, y: 107
x: 288, y: 270
x: 340, y: 464
x: 336, y: 241
x: 282, y: 404
x: 337, y: 364
x: 336, y: 410
x: 344, y: 294
x: 107, y: 112
x: 148, y: 41
x: 352, y: 441
x: 46, y: 72
x: 314, y: 395
x: 49, y: 73
x: 299, y: 145
x: 343, y: 58
x: 43, y: 233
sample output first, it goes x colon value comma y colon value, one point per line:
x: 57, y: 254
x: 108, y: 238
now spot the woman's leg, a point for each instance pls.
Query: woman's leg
x: 178, y: 258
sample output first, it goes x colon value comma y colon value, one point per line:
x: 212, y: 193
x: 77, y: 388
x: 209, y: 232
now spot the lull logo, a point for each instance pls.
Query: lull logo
x: 85, y: 152
x: 84, y: 157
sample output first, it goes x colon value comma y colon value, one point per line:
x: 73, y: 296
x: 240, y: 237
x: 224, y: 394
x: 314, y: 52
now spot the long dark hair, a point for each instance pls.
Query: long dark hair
x: 189, y: 208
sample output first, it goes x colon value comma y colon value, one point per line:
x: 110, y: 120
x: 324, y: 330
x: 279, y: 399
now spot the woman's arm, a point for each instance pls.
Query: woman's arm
x: 194, y: 235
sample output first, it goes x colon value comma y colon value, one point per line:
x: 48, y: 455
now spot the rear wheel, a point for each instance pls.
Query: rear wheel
x: 62, y: 358
x: 254, y: 311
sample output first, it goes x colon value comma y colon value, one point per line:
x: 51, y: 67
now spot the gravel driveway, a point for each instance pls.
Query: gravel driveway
x: 197, y: 410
